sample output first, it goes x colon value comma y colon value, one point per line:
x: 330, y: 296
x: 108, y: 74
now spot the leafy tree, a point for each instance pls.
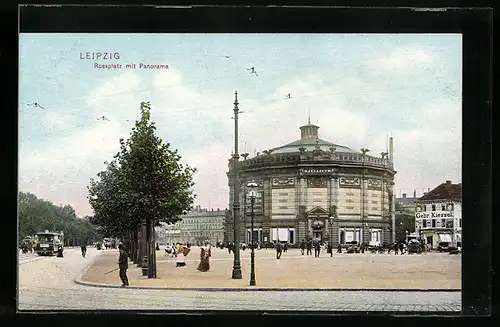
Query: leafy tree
x: 405, y: 222
x: 145, y: 182
x: 37, y: 215
x: 109, y: 200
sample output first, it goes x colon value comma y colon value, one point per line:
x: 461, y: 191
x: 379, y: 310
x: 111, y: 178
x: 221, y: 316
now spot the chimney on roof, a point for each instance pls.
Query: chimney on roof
x: 414, y: 193
x: 448, y: 182
x: 404, y: 195
x: 391, y: 149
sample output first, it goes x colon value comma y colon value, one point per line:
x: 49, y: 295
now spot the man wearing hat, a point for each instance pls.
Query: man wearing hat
x: 123, y: 264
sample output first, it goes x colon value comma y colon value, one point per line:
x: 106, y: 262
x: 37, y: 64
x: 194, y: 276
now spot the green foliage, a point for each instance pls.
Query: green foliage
x: 108, y: 200
x: 144, y: 181
x: 37, y: 215
x: 404, y: 222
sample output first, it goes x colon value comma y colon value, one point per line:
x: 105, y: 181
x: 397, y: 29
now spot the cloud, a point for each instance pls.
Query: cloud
x: 58, y: 120
x: 210, y: 180
x: 116, y: 96
x: 197, y: 121
x: 402, y: 59
x: 431, y: 151
x: 61, y: 170
x: 65, y: 168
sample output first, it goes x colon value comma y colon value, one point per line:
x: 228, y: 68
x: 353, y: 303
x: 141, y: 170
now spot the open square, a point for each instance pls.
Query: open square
x: 293, y: 270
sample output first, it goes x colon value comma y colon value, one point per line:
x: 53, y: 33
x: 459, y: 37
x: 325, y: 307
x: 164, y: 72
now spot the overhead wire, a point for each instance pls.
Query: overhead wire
x: 251, y: 104
x: 255, y: 103
x: 286, y: 69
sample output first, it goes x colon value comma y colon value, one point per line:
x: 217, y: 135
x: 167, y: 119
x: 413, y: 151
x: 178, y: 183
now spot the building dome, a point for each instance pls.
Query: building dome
x: 309, y: 141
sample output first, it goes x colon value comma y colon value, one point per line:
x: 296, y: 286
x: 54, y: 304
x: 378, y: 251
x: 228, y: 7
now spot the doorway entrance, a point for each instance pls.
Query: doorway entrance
x: 342, y: 237
x: 318, y: 235
x: 429, y: 241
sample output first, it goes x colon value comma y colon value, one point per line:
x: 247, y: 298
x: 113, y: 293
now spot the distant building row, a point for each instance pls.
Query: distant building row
x: 195, y: 227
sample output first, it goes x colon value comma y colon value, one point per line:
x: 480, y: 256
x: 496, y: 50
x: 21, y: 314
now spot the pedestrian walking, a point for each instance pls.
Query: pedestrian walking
x: 339, y: 248
x: 181, y: 257
x: 204, y: 264
x: 123, y: 264
x: 279, y: 250
x: 329, y: 249
x: 302, y: 247
x: 309, y: 247
x: 285, y: 247
x: 83, y: 247
x: 317, y: 249
x: 395, y: 248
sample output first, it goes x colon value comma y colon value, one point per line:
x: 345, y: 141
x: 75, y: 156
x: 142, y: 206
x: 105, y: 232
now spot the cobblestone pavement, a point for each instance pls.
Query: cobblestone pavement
x: 48, y: 285
x: 28, y: 257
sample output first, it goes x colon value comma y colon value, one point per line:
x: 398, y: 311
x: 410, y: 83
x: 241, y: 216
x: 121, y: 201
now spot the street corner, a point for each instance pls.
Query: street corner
x: 95, y: 258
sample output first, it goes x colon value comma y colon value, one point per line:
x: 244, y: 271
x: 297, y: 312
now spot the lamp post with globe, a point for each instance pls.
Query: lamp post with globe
x: 252, y: 186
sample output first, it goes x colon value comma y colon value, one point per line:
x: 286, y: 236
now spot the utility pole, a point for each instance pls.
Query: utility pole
x: 236, y: 196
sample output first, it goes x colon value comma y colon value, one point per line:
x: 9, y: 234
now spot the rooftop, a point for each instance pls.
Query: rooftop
x: 203, y: 212
x: 310, y: 145
x: 406, y: 200
x: 309, y: 140
x: 444, y: 191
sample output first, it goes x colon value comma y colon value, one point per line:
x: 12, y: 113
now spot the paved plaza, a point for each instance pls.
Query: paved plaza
x: 293, y: 270
x: 47, y: 283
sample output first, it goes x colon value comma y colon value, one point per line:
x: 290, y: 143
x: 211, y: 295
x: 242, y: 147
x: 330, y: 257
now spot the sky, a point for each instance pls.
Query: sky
x: 359, y: 89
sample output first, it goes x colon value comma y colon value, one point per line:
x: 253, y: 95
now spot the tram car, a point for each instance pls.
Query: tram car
x: 50, y: 243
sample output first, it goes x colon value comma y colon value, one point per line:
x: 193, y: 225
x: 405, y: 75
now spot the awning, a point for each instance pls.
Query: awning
x: 444, y: 238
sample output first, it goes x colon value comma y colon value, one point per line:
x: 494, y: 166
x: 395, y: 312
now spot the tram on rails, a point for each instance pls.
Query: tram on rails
x: 50, y: 243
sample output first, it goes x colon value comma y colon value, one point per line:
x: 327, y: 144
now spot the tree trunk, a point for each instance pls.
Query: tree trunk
x: 151, y: 251
x: 140, y: 244
x: 133, y: 243
x: 130, y: 245
x: 154, y: 248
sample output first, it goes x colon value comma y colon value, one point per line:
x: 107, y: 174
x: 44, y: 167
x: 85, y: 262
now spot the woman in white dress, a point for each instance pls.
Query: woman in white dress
x: 181, y: 259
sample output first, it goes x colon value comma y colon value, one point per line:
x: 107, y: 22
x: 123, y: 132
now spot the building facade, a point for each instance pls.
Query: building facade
x: 168, y: 233
x: 195, y: 227
x: 406, y: 203
x: 203, y: 224
x: 312, y: 188
x: 438, y: 215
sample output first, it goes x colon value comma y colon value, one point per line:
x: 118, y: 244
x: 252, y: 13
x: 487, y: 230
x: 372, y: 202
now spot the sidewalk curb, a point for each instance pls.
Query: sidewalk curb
x: 262, y: 289
x: 78, y: 278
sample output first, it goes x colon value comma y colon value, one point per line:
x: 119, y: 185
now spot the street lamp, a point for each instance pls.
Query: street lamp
x: 331, y: 229
x: 252, y: 186
x: 370, y: 232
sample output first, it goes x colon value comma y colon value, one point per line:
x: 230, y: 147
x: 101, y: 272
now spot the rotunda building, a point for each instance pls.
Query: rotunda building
x: 312, y: 188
